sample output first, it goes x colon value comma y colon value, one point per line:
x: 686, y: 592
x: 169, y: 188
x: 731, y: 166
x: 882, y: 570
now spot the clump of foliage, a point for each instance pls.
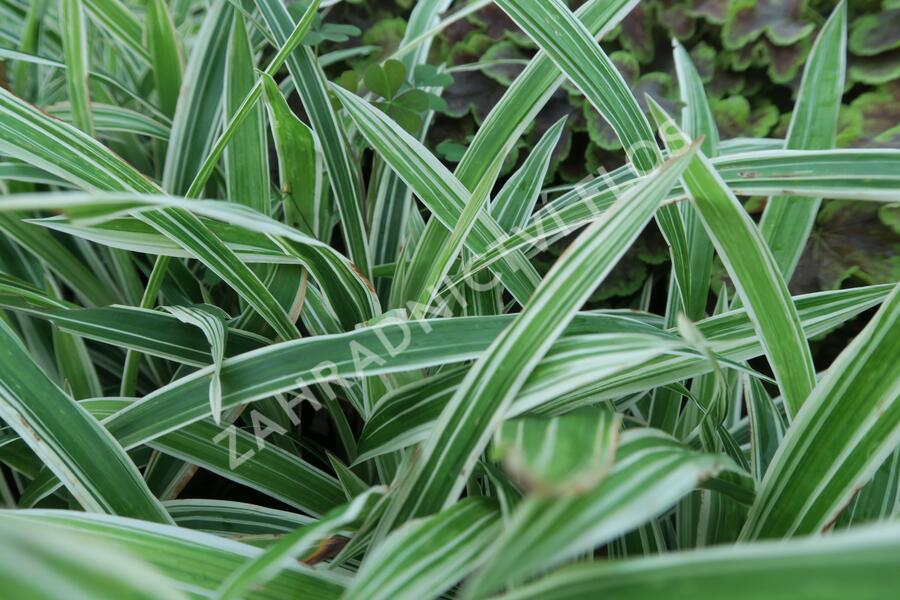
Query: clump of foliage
x: 257, y: 338
x: 749, y: 55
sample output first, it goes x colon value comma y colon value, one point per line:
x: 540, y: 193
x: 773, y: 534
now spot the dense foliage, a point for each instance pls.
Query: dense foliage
x: 393, y: 299
x: 749, y: 56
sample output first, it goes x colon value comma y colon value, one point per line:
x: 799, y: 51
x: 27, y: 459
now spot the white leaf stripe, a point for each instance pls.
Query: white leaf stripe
x: 194, y: 562
x: 425, y: 557
x: 515, y: 202
x: 814, y: 568
x: 787, y: 222
x: 444, y: 195
x: 570, y: 45
x: 849, y: 426
x: 528, y: 94
x: 85, y: 458
x: 405, y: 416
x: 213, y: 328
x: 479, y: 404
x: 652, y: 471
x: 312, y: 86
x: 34, y: 137
x: 754, y: 273
x: 257, y: 238
x: 297, y: 544
x: 872, y: 175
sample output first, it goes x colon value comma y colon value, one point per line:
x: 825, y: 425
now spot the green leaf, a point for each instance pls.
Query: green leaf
x: 193, y: 562
x: 436, y: 186
x: 478, y: 406
x: 199, y: 111
x: 697, y: 121
x: 299, y: 165
x: 312, y: 86
x: 426, y: 557
x: 514, y: 203
x: 752, y: 269
x: 299, y: 543
x: 166, y: 61
x: 406, y: 416
x: 845, y: 430
x: 582, y: 60
x: 85, y: 458
x: 115, y: 17
x: 48, y: 563
x: 787, y: 222
x: 561, y: 455
x: 211, y: 322
x: 652, y: 471
x: 385, y: 80
x: 75, y: 45
x: 862, y: 563
x: 246, y: 158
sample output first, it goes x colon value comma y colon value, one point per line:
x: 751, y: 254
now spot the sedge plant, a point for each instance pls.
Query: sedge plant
x: 258, y: 341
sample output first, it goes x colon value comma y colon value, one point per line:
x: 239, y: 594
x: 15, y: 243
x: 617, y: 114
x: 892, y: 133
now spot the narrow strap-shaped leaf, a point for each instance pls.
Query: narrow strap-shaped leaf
x: 115, y: 17
x: 298, y: 544
x: 515, y: 202
x: 560, y: 455
x: 194, y: 562
x: 528, y: 94
x: 848, y: 426
x: 480, y: 403
x: 60, y: 259
x: 861, y: 564
x: 787, y: 222
x: 514, y: 113
x: 696, y: 115
x: 406, y: 416
x: 75, y: 45
x: 227, y: 518
x: 107, y: 117
x: 148, y: 331
x: 243, y: 457
x: 766, y: 426
x: 212, y: 324
x: 190, y: 233
x: 246, y: 234
x: 444, y: 195
x: 237, y: 455
x: 652, y: 472
x: 166, y: 61
x: 88, y: 461
x: 48, y: 563
x: 571, y: 47
x: 246, y: 158
x: 199, y: 112
x: 74, y: 362
x: 37, y: 138
x: 246, y: 107
x: 393, y: 204
x: 879, y: 499
x: 426, y: 557
x: 31, y: 136
x: 858, y: 174
x: 569, y: 44
x: 312, y: 86
x: 298, y: 163
x: 752, y: 269
x: 286, y: 366
x: 443, y: 259
x: 698, y: 122
x: 400, y: 346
